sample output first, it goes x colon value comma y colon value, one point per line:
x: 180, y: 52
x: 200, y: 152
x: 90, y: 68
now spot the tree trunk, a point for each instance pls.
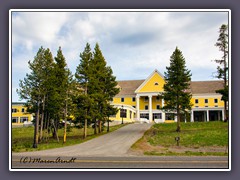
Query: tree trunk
x: 65, y: 125
x: 42, y: 118
x: 46, y: 127
x: 65, y: 132
x: 85, y: 129
x: 99, y: 126
x: 178, y: 121
x: 55, y: 134
x: 35, y: 141
x: 95, y: 126
x: 108, y: 125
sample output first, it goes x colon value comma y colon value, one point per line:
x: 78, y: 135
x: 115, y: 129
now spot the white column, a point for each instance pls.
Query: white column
x: 163, y: 116
x: 223, y: 114
x: 192, y: 119
x: 150, y: 107
x: 162, y: 102
x: 175, y: 118
x: 138, y: 112
x: 207, y: 115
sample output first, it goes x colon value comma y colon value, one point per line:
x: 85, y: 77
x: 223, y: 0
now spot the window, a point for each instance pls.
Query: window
x: 146, y: 99
x: 123, y: 113
x: 196, y: 106
x: 206, y: 106
x: 215, y: 100
x: 122, y: 99
x: 146, y: 107
x: 206, y: 100
x: 216, y: 106
x: 14, y: 119
x: 157, y: 116
x: 158, y: 107
x: 23, y: 119
x: 134, y: 106
x: 157, y: 99
x: 156, y: 83
x: 144, y: 115
x: 23, y: 109
x: 196, y: 101
x: 169, y: 116
x: 113, y: 116
x: 14, y: 110
x: 133, y: 99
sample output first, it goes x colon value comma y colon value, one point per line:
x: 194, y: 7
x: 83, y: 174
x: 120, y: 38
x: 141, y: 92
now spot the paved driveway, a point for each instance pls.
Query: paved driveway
x: 115, y: 143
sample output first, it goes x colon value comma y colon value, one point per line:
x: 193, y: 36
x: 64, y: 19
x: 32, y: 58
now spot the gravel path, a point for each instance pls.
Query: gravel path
x: 116, y: 143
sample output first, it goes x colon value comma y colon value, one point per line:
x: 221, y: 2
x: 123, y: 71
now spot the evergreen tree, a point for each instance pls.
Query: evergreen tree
x: 32, y: 89
x: 102, y: 85
x: 222, y: 69
x: 176, y: 89
x: 61, y: 85
x: 46, y: 76
x: 83, y: 76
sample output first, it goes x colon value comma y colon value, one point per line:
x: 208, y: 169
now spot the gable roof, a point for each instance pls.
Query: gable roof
x: 128, y: 87
x: 148, y: 78
x: 203, y: 87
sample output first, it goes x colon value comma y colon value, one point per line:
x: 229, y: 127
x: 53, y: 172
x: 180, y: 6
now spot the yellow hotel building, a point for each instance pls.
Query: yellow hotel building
x: 20, y: 114
x: 139, y: 101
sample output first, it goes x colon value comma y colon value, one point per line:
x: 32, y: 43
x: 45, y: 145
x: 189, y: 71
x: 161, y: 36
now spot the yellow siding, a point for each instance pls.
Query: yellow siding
x: 154, y: 103
x: 127, y: 101
x: 127, y: 119
x: 201, y: 102
x: 20, y: 114
x: 150, y: 85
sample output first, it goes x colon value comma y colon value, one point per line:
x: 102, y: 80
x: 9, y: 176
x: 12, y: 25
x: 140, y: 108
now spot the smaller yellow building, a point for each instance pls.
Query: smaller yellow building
x: 20, y: 114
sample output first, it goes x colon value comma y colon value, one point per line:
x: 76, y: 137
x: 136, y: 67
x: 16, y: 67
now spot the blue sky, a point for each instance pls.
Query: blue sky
x: 134, y: 44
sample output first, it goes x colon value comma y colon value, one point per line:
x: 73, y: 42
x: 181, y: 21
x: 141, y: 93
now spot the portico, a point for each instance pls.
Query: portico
x: 148, y: 106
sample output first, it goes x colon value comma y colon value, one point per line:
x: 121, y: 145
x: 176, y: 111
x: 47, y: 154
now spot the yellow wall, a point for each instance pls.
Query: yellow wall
x: 201, y: 102
x: 127, y: 119
x: 154, y: 103
x: 19, y: 113
x: 150, y: 85
x: 127, y: 101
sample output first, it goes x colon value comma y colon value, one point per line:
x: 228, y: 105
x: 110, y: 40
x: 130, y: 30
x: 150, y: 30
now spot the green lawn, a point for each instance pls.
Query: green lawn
x: 22, y: 138
x: 196, y: 138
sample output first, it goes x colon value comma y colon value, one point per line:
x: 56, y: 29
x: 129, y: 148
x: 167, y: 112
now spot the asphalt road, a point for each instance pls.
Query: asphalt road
x: 110, y: 151
x: 115, y: 143
x: 125, y: 162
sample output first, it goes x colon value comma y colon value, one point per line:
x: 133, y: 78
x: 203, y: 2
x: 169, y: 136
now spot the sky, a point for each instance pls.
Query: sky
x: 134, y: 44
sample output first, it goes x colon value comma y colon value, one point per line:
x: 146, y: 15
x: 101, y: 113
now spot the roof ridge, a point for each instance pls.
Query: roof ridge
x: 132, y: 80
x: 208, y: 81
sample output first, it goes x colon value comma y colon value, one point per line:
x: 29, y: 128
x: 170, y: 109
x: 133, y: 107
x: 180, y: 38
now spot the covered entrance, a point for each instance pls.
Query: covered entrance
x: 207, y: 115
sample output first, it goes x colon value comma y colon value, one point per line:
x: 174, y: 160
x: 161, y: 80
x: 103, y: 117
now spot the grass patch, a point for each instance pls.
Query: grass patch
x: 198, y: 138
x: 22, y: 138
x: 195, y: 134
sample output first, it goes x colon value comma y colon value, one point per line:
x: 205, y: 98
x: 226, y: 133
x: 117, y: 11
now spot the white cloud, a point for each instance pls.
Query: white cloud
x: 133, y: 43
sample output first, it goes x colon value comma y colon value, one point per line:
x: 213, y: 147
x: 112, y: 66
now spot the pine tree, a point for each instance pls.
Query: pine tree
x: 61, y: 85
x: 83, y: 75
x: 96, y: 85
x: 32, y: 89
x: 47, y: 72
x: 176, y: 89
x: 222, y: 69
